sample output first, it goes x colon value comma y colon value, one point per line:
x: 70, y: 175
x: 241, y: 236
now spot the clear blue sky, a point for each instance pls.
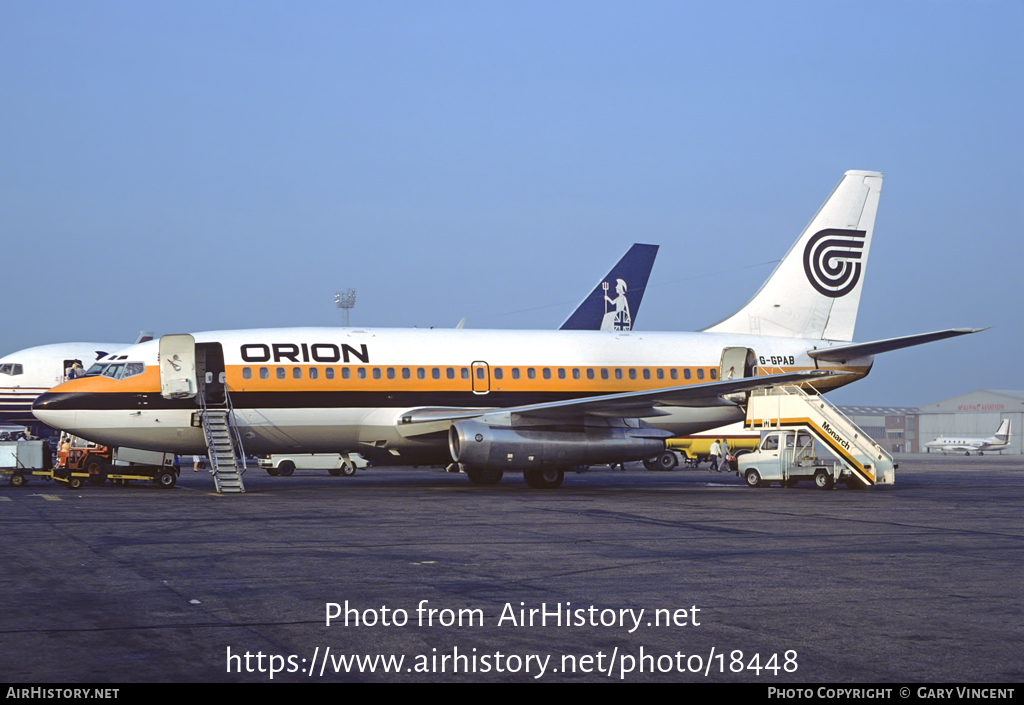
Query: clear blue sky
x: 186, y: 166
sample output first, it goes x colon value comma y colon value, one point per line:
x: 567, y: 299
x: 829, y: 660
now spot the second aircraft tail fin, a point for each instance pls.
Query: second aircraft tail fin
x: 815, y: 290
x: 615, y: 301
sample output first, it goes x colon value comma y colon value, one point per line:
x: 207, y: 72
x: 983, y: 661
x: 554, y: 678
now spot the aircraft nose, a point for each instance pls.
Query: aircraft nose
x: 54, y: 410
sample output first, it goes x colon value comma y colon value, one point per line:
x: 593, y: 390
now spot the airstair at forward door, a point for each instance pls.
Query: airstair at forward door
x: 224, y: 445
x: 792, y: 407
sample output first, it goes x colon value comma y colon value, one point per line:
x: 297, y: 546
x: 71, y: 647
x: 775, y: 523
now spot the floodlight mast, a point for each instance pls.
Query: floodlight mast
x: 345, y: 301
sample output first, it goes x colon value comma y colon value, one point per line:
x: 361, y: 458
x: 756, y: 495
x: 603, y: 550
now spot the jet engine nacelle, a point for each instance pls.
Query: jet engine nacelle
x: 508, y: 448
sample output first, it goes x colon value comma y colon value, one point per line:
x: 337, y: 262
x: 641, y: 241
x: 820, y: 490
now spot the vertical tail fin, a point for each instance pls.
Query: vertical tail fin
x: 1003, y: 434
x: 815, y: 290
x: 630, y: 275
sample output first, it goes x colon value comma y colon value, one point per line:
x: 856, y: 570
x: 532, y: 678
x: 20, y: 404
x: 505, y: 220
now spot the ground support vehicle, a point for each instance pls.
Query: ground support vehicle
x: 120, y: 466
x: 21, y: 460
x: 787, y: 456
x: 344, y: 464
x: 793, y: 424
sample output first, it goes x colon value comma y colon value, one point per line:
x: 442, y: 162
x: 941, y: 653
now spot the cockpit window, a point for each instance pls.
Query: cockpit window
x: 133, y: 368
x: 117, y: 370
x: 11, y: 369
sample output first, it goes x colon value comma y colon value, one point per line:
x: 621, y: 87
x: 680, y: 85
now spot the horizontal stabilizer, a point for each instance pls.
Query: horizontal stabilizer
x: 845, y: 353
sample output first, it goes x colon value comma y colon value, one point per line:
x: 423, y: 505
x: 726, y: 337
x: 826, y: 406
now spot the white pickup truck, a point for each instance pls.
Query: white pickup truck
x: 344, y: 464
x: 787, y: 457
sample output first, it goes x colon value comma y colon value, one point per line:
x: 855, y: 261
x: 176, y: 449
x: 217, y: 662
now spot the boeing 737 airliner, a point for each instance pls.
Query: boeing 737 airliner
x: 530, y: 401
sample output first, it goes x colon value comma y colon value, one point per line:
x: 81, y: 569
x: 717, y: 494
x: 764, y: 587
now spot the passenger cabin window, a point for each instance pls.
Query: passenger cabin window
x: 498, y: 374
x: 246, y: 373
x: 280, y: 373
x: 264, y: 373
x: 329, y: 372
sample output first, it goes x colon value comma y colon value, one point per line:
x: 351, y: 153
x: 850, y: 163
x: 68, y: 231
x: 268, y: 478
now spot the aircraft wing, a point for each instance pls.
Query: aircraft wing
x: 644, y: 403
x: 844, y: 353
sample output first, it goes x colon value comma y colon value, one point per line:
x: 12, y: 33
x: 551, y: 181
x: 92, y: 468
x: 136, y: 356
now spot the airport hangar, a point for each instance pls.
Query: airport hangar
x: 974, y: 415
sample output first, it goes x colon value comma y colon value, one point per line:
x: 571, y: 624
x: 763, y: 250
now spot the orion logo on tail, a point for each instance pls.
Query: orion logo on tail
x: 832, y: 261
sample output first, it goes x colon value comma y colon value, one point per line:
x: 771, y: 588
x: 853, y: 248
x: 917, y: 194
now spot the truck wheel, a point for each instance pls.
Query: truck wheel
x: 286, y: 468
x: 165, y: 479
x: 667, y: 461
x: 272, y: 472
x: 74, y: 482
x: 17, y: 480
x: 824, y: 480
x: 753, y: 478
x: 651, y: 464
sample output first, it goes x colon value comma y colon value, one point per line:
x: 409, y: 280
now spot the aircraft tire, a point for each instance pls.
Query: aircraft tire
x: 484, y: 476
x: 823, y: 481
x: 286, y: 468
x: 544, y: 478
x: 753, y: 478
x: 667, y: 461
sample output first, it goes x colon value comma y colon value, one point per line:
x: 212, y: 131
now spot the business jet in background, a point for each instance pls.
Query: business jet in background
x: 26, y: 374
x: 498, y: 400
x: 973, y: 445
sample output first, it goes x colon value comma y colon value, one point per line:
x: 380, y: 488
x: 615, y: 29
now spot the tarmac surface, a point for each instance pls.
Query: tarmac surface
x: 919, y: 582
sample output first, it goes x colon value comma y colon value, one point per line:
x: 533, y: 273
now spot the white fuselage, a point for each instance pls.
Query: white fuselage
x: 319, y: 390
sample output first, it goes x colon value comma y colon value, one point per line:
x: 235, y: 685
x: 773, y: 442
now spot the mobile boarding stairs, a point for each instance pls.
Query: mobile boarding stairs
x: 861, y: 460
